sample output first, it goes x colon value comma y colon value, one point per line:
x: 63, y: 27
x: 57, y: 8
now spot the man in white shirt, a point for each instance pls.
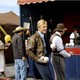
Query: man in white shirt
x: 74, y: 37
x: 59, y: 52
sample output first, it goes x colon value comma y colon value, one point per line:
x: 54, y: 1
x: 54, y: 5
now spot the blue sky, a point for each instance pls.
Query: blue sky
x: 9, y: 5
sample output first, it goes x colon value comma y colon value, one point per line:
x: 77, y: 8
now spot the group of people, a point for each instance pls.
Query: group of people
x: 38, y: 48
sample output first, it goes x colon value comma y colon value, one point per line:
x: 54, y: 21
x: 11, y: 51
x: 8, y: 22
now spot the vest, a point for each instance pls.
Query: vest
x: 54, y: 50
x: 76, y: 41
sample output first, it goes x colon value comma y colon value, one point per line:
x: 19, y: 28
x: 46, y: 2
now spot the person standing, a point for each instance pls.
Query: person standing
x: 37, y: 49
x: 74, y: 37
x: 58, y: 52
x: 19, y: 56
x: 2, y: 57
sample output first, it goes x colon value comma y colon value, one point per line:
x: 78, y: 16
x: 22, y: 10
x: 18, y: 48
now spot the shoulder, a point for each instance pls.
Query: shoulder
x: 56, y: 36
x: 34, y: 38
x: 35, y: 35
x: 72, y: 35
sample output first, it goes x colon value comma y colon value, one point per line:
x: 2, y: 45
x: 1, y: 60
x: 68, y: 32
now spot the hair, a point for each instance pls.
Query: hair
x: 59, y: 31
x: 41, y: 22
x: 19, y: 31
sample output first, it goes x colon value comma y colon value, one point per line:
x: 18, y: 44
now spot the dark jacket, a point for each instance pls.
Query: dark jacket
x: 17, y: 46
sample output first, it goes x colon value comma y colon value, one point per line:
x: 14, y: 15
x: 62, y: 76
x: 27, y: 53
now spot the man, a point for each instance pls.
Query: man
x: 2, y: 57
x: 19, y: 56
x: 74, y: 37
x: 37, y: 49
x: 59, y: 52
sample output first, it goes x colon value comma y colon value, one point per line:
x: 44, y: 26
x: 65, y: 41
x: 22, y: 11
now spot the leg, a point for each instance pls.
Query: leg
x: 44, y: 71
x: 59, y: 67
x: 23, y: 69
x: 17, y: 70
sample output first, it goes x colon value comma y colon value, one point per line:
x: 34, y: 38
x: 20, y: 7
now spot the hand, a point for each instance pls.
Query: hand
x: 23, y: 58
x: 43, y: 59
x: 8, y: 44
x: 6, y: 48
x: 71, y: 52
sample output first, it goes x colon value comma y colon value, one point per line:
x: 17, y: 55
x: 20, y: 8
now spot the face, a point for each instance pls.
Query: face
x: 27, y: 32
x: 43, y: 29
x: 20, y: 33
x: 75, y: 31
x: 62, y: 33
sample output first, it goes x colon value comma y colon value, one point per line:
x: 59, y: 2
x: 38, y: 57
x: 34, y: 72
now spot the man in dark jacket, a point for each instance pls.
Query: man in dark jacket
x: 19, y: 57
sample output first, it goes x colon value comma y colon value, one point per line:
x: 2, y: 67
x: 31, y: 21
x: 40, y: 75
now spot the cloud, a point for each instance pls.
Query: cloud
x: 8, y: 2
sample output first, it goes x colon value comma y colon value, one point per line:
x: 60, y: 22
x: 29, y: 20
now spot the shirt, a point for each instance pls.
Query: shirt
x: 58, y: 43
x: 42, y: 36
x: 17, y: 45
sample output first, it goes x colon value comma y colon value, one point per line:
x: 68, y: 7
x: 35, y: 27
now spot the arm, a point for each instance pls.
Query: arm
x: 30, y: 49
x: 1, y: 46
x: 2, y: 49
x: 20, y: 46
x: 60, y: 47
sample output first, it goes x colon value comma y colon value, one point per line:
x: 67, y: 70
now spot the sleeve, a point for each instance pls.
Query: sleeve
x: 72, y: 36
x: 20, y: 46
x: 52, y: 45
x: 1, y: 45
x: 31, y: 49
x: 60, y: 47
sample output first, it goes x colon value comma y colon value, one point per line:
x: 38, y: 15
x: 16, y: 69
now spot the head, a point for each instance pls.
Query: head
x: 60, y: 28
x: 42, y: 26
x: 27, y: 32
x: 19, y: 30
x: 75, y: 30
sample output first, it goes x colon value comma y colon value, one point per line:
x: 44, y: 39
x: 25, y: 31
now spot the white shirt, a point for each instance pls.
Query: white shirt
x: 73, y: 36
x: 2, y: 58
x: 58, y: 43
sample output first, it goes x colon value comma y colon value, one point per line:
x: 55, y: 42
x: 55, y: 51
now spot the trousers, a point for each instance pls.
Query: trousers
x: 44, y: 71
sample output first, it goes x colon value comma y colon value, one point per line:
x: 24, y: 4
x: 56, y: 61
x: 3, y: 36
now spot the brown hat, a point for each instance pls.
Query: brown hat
x: 60, y: 27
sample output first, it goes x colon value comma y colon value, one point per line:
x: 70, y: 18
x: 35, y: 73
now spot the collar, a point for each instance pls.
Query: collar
x: 41, y: 34
x: 58, y: 33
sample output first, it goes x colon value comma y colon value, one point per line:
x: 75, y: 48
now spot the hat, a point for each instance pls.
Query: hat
x: 19, y: 28
x: 60, y: 27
